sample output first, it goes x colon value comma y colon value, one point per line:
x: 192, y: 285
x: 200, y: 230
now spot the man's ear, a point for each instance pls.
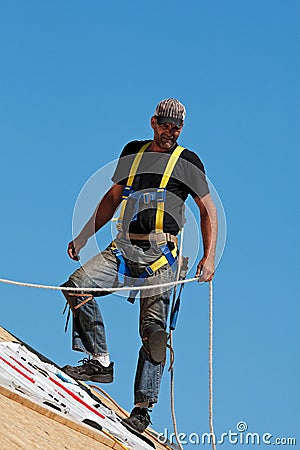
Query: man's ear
x: 153, y: 121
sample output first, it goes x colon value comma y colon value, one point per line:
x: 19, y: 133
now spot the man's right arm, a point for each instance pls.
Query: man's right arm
x: 103, y: 214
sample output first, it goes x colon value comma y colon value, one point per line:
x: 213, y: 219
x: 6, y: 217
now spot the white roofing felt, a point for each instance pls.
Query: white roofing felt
x: 24, y: 372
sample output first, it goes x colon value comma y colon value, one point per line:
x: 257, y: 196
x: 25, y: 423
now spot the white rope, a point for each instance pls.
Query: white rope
x: 172, y: 396
x: 89, y: 289
x: 210, y: 383
x: 172, y: 353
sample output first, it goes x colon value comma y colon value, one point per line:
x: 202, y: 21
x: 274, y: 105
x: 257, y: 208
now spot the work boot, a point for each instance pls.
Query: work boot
x: 91, y: 370
x: 139, y: 419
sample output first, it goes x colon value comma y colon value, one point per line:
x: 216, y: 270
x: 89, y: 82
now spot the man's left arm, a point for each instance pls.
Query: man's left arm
x: 209, y: 231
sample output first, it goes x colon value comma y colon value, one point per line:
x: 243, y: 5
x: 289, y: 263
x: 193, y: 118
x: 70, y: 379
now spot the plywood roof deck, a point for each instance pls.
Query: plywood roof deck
x: 25, y: 425
x: 26, y: 428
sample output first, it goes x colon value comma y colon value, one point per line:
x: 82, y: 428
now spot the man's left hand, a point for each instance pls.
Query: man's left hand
x: 205, y: 270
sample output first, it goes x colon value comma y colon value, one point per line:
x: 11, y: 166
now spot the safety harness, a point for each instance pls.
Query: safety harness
x: 161, y: 238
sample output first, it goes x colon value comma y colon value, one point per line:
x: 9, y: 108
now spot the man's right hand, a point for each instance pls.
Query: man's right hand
x: 74, y: 248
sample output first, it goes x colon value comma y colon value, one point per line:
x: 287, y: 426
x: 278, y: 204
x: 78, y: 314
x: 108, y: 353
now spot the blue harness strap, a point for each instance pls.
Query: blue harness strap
x: 176, y: 301
x: 175, y: 311
x: 168, y: 257
x: 123, y: 268
x: 150, y: 270
x: 168, y: 254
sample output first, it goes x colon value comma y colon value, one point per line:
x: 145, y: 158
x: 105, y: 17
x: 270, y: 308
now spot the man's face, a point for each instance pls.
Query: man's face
x: 166, y: 134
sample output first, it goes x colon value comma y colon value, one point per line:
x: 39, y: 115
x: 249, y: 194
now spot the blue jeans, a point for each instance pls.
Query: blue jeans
x: 88, y: 333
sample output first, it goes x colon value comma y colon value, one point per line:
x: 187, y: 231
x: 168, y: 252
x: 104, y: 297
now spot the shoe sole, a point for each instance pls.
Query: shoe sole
x: 101, y: 379
x: 137, y: 433
x: 96, y: 378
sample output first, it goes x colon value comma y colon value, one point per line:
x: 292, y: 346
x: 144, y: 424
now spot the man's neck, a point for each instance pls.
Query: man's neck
x: 156, y: 148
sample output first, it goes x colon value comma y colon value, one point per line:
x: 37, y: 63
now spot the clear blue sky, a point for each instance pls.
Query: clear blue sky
x: 78, y: 80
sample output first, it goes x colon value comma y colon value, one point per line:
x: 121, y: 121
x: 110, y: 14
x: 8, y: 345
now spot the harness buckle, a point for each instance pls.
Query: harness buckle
x: 116, y: 252
x: 161, y: 238
x: 149, y: 271
x: 127, y: 191
x: 161, y: 195
x: 147, y: 198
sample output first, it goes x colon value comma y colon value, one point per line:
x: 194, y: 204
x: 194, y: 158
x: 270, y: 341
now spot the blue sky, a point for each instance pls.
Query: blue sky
x: 78, y: 80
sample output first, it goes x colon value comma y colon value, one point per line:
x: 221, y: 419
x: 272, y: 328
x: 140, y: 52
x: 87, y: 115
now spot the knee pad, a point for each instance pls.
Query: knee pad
x: 155, y: 342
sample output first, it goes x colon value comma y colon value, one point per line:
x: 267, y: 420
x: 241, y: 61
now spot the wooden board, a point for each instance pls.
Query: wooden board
x: 26, y: 425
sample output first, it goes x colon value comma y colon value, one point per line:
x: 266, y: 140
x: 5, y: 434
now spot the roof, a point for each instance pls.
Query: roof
x: 28, y: 422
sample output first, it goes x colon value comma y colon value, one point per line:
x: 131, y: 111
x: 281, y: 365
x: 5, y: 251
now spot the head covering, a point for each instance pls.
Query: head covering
x: 170, y: 110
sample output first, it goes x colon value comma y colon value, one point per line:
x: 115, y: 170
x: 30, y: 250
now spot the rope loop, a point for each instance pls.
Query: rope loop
x: 88, y: 289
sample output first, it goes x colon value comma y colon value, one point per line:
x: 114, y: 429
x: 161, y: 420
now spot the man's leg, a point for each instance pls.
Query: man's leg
x: 154, y: 308
x: 88, y: 331
x: 153, y: 323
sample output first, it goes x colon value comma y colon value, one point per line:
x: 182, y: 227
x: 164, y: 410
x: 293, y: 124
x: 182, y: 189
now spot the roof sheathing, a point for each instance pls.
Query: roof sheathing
x: 25, y: 425
x: 28, y: 425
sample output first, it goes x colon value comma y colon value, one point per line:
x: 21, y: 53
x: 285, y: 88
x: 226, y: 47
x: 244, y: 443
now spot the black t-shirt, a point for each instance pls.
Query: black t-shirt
x: 188, y: 177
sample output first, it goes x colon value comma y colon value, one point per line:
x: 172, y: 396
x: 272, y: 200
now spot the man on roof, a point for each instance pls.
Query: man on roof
x: 152, y: 181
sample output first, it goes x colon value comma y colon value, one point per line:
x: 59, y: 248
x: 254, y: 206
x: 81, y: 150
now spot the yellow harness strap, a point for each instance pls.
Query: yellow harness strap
x: 164, y: 181
x: 159, y: 222
x: 136, y: 163
x: 160, y: 262
x: 132, y: 173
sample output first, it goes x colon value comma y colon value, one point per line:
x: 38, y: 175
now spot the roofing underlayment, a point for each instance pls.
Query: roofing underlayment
x: 43, y: 408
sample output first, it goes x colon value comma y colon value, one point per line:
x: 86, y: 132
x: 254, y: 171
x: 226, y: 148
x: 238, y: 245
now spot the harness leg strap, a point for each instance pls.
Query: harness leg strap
x: 155, y: 343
